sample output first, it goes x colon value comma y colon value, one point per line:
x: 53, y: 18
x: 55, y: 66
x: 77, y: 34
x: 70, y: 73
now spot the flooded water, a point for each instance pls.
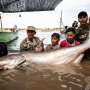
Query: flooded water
x: 30, y: 76
x: 46, y: 77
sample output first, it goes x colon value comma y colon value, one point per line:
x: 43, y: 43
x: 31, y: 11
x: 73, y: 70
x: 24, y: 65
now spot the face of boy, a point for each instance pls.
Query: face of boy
x: 54, y: 40
x: 83, y: 20
x: 30, y: 34
x: 70, y: 37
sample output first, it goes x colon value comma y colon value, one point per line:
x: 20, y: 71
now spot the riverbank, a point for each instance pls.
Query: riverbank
x: 37, y: 29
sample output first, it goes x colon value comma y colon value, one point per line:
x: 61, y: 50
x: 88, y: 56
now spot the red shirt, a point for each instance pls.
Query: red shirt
x: 64, y: 43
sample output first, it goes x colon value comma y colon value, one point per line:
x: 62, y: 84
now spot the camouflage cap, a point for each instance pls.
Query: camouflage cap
x: 32, y: 28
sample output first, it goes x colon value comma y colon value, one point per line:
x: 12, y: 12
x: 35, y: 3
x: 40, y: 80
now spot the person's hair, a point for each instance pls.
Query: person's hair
x: 57, y: 35
x: 70, y: 29
x: 82, y: 13
x: 66, y: 27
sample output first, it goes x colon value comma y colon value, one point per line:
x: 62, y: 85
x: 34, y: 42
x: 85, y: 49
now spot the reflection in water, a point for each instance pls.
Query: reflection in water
x: 48, y: 77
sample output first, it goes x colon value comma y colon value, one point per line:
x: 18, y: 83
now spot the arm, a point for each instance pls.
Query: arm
x: 48, y: 47
x: 23, y: 45
x: 40, y: 46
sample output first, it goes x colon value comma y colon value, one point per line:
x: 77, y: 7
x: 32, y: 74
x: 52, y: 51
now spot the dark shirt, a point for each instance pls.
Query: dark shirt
x: 3, y: 49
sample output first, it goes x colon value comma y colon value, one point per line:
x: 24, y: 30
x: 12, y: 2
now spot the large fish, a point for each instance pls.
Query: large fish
x: 62, y: 56
x: 11, y: 61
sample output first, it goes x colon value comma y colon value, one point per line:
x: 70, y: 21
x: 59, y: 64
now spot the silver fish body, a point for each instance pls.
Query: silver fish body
x: 61, y: 56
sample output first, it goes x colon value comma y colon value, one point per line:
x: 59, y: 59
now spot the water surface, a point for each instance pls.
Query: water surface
x: 46, y: 77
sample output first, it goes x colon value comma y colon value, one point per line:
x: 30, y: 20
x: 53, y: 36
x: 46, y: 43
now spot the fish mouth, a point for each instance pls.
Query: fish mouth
x: 18, y: 61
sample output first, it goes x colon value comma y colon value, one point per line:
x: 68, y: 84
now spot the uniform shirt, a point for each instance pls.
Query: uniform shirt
x: 30, y: 45
x: 82, y: 34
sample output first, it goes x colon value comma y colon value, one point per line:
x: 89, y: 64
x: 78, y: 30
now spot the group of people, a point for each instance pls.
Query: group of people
x: 74, y: 35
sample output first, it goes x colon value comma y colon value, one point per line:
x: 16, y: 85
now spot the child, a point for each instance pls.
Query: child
x: 55, y: 38
x: 70, y: 39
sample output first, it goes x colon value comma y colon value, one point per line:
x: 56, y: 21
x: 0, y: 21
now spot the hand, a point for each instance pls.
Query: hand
x: 38, y: 49
x: 25, y: 46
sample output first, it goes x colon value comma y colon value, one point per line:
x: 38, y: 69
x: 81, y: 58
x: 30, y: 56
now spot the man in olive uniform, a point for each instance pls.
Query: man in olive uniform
x: 31, y: 43
x: 83, y: 29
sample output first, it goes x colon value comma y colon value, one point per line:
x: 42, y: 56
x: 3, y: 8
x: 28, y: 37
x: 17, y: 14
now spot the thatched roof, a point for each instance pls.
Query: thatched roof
x: 27, y: 5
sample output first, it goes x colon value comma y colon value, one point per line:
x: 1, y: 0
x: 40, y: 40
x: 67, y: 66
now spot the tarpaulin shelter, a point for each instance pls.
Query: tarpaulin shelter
x: 27, y: 5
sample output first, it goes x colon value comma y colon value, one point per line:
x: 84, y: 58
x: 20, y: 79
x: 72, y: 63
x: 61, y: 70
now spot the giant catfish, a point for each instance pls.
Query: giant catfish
x: 61, y: 56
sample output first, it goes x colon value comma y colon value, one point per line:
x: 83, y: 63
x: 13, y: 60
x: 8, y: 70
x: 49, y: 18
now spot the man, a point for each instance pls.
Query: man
x: 70, y: 39
x: 83, y: 29
x: 31, y: 43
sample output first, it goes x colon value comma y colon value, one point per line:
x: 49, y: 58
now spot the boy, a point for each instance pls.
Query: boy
x: 55, y: 38
x: 70, y: 39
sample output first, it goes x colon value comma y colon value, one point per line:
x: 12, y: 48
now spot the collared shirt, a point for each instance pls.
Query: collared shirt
x: 82, y: 34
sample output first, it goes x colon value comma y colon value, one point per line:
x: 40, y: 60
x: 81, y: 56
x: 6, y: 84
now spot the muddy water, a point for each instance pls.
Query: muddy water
x: 46, y: 77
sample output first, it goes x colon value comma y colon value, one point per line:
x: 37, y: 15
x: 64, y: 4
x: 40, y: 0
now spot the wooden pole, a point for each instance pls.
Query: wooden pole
x: 60, y: 21
x: 1, y: 22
